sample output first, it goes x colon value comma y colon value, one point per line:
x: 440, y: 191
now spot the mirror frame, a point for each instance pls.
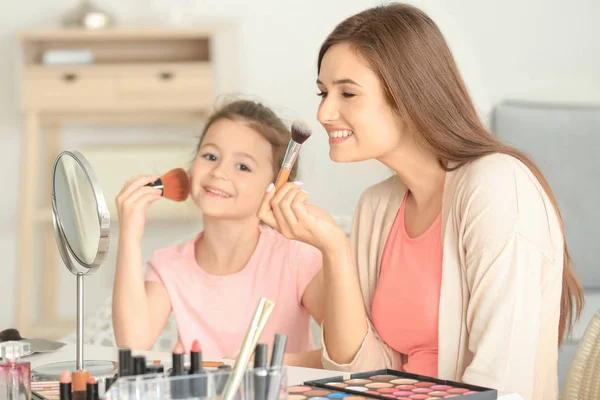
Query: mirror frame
x: 64, y: 248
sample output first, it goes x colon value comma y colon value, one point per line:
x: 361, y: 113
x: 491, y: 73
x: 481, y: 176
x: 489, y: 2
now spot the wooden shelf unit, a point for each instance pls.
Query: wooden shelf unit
x: 139, y: 75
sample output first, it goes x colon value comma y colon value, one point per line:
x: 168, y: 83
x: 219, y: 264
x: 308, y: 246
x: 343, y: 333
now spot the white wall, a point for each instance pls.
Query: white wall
x: 543, y: 50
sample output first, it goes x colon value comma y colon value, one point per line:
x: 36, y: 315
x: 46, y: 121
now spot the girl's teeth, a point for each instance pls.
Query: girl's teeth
x: 217, y: 192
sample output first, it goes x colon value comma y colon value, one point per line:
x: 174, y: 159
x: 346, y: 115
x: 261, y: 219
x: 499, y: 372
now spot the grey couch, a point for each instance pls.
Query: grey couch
x: 564, y: 141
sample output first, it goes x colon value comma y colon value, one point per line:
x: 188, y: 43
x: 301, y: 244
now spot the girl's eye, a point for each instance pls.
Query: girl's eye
x: 348, y: 95
x: 210, y: 157
x: 243, y: 167
x: 322, y: 94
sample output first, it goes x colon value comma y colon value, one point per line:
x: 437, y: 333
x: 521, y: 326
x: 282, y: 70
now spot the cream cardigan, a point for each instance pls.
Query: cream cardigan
x: 501, y: 278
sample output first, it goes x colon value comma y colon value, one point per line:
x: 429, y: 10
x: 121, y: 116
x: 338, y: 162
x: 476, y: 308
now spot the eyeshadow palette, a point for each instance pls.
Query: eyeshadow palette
x: 390, y: 384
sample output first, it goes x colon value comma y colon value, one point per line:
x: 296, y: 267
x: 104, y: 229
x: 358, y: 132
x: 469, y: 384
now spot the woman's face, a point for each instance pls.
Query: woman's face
x: 353, y: 110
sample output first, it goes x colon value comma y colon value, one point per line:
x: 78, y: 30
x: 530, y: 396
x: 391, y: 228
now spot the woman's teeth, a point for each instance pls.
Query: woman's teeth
x: 217, y: 192
x: 338, y: 134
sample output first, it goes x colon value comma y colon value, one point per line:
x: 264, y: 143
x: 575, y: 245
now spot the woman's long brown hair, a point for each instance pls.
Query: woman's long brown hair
x: 407, y: 51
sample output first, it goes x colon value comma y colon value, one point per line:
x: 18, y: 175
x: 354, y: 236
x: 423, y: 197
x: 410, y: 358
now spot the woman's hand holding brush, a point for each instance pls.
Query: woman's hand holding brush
x: 287, y: 210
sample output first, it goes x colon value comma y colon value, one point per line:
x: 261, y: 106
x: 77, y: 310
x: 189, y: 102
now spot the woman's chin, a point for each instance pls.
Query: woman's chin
x: 339, y: 156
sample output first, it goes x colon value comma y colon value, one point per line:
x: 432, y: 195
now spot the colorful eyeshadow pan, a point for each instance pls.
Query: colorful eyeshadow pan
x: 337, y: 384
x: 386, y: 390
x: 422, y: 390
x: 441, y: 387
x: 355, y: 398
x: 357, y: 388
x: 403, y: 381
x: 419, y: 397
x: 457, y: 390
x: 296, y: 397
x: 424, y: 384
x: 298, y: 389
x: 406, y: 387
x: 403, y: 393
x: 438, y: 393
x: 378, y: 385
x: 317, y: 393
x: 337, y: 395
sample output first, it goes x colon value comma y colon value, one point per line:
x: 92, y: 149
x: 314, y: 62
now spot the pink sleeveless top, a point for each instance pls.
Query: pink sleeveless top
x: 406, y: 301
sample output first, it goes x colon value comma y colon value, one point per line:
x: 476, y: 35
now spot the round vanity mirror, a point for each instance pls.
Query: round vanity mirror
x: 79, y: 212
x: 81, y: 227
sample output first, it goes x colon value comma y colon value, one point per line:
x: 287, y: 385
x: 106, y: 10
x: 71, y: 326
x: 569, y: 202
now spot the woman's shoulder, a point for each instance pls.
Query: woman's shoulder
x: 382, y: 192
x: 498, y: 176
x: 504, y: 187
x: 498, y: 166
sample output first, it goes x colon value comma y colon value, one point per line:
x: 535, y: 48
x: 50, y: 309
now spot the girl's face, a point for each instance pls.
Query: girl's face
x: 353, y: 109
x: 231, y: 171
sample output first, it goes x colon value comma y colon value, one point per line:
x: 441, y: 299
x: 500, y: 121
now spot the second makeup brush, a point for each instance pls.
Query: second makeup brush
x: 300, y: 133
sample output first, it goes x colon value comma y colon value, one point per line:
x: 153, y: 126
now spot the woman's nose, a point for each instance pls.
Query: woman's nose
x: 328, y: 111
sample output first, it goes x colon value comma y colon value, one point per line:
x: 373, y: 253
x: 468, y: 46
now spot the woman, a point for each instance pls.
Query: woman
x: 458, y: 267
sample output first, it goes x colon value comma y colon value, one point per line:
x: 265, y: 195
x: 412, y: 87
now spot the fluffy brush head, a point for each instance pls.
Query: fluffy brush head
x: 176, y: 184
x: 300, y: 131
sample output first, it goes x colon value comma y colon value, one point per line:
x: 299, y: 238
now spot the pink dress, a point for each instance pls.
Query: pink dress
x: 217, y: 310
x: 406, y: 301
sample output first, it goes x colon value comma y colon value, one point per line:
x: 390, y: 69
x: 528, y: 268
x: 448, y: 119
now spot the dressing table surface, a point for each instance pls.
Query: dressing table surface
x: 296, y: 375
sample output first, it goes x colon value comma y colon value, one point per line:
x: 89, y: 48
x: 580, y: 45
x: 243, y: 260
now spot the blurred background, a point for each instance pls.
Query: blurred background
x: 532, y: 68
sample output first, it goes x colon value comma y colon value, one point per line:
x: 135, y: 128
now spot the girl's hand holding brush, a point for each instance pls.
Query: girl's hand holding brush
x: 141, y: 191
x: 132, y: 203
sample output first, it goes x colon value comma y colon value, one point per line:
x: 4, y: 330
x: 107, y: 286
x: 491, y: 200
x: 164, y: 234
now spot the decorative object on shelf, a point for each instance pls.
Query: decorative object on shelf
x: 88, y: 16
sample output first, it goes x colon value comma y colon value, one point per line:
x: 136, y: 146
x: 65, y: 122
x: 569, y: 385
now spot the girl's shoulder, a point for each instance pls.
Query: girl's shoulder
x: 279, y: 245
x: 175, y: 251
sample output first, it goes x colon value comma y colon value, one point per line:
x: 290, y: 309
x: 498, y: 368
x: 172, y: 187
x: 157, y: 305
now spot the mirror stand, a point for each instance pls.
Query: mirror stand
x: 73, y: 179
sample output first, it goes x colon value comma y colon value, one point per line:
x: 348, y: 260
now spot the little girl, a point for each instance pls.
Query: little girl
x: 213, y: 282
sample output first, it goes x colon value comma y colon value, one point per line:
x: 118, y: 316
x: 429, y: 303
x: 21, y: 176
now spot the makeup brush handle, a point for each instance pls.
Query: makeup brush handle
x: 282, y: 178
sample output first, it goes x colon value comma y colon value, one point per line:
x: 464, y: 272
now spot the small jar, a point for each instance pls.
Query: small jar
x: 15, y: 375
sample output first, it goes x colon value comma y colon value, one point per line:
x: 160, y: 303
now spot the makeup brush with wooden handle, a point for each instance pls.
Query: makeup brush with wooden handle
x: 175, y: 184
x: 300, y: 132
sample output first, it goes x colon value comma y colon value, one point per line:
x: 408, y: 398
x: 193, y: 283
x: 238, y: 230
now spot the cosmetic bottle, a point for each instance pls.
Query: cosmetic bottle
x: 15, y: 375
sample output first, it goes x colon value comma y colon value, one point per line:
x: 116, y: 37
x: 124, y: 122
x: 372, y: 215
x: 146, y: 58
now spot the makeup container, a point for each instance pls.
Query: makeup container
x: 139, y: 365
x: 92, y: 389
x: 260, y: 372
x: 65, y: 388
x: 179, y: 388
x: 198, y: 379
x: 161, y: 387
x: 390, y: 384
x: 80, y: 379
x: 125, y: 363
x: 15, y: 375
x: 274, y: 379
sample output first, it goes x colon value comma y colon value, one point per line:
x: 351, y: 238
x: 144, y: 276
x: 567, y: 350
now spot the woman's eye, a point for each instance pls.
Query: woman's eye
x: 348, y: 95
x: 243, y: 167
x: 210, y: 157
x: 322, y: 94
